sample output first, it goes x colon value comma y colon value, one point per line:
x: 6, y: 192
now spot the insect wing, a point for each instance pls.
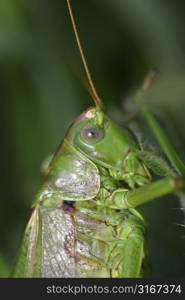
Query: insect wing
x: 58, y: 243
x: 29, y: 259
x: 47, y: 249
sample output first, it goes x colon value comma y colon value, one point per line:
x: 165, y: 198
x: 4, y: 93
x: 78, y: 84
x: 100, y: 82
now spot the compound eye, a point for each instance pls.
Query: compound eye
x: 92, y: 133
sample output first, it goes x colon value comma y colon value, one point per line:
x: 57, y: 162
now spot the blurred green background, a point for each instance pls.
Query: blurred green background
x: 41, y: 91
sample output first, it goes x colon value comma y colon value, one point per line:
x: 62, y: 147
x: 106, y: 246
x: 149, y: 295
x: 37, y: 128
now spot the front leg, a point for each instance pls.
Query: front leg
x: 157, y: 130
x: 124, y: 198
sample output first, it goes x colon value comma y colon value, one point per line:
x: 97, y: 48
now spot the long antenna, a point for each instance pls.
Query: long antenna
x: 94, y: 93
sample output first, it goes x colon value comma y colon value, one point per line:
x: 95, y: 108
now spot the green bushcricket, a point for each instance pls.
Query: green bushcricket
x: 84, y: 222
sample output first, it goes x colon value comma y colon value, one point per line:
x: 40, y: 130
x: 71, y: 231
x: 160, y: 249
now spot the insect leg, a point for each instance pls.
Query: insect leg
x: 153, y: 190
x: 129, y: 253
x: 121, y: 199
x: 163, y: 141
x: 130, y: 257
x: 158, y: 132
x: 156, y: 163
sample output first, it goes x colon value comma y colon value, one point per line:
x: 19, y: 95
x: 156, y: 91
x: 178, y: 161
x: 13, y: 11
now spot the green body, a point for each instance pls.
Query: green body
x: 84, y: 223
